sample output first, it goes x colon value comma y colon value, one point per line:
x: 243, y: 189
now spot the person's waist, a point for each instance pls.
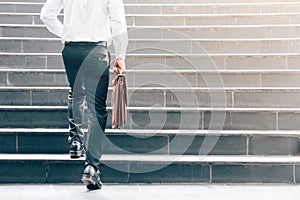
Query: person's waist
x: 99, y: 43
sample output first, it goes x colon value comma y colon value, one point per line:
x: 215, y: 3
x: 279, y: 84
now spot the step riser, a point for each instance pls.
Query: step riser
x: 174, y: 1
x: 176, y: 21
x: 201, y: 79
x: 191, y: 145
x: 195, y: 9
x: 173, y: 98
x: 70, y: 172
x: 174, y: 33
x: 181, y: 47
x: 234, y: 120
x: 160, y: 62
x: 222, y: 20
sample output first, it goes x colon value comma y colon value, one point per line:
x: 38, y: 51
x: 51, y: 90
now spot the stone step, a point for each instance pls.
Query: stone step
x: 201, y: 8
x: 49, y: 168
x: 163, y: 78
x: 192, y: 142
x: 175, y: 20
x: 174, y: 1
x: 176, y: 46
x: 174, y: 32
x: 212, y: 62
x: 247, y: 97
x: 162, y: 118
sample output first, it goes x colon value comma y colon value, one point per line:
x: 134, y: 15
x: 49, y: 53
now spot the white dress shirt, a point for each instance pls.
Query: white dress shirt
x: 88, y: 21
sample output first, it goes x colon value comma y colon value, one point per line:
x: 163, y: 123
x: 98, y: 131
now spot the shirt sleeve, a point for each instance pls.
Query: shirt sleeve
x: 118, y: 27
x: 49, y: 14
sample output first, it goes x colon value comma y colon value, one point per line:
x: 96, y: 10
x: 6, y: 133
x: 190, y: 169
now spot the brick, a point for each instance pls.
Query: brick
x: 293, y: 62
x: 288, y: 121
x: 37, y: 79
x: 152, y: 47
x: 15, y: 98
x: 11, y: 61
x: 263, y: 145
x: 42, y: 143
x: 195, y: 62
x: 55, y: 62
x: 156, y: 21
x: 26, y: 32
x: 142, y: 33
x: 28, y: 8
x: 214, y: 145
x: 146, y: 62
x: 41, y: 46
x: 257, y: 62
x: 11, y: 46
x: 49, y: 97
x: 228, y: 80
x: 135, y: 144
x: 165, y: 80
x: 240, y: 121
x: 168, y: 173
x: 198, y: 99
x: 7, y: 8
x: 8, y: 143
x: 238, y: 173
x: 146, y: 98
x: 236, y: 47
x: 33, y: 119
x: 65, y: 172
x: 297, y: 173
x: 16, y: 19
x: 33, y: 171
x: 280, y: 79
x: 143, y: 10
x: 168, y: 120
x: 266, y: 99
x: 3, y: 79
x: 115, y: 172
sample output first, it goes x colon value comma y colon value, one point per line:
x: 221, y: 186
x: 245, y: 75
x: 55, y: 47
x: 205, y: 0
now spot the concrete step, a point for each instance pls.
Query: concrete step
x: 174, y: 1
x: 170, y: 61
x: 176, y: 46
x: 163, y: 78
x: 247, y: 97
x: 192, y: 142
x: 162, y: 118
x: 175, y: 20
x: 173, y: 32
x: 201, y: 8
x: 49, y: 168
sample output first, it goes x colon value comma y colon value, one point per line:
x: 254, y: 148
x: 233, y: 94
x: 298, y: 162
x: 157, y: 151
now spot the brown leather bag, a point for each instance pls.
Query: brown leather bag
x: 119, y: 101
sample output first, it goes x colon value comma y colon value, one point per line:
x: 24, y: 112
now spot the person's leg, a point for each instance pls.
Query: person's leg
x: 73, y: 59
x: 96, y: 81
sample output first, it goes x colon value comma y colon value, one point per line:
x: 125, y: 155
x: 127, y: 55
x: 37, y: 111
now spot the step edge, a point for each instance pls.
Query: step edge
x: 163, y: 109
x: 206, y: 89
x: 158, y: 132
x: 217, y: 159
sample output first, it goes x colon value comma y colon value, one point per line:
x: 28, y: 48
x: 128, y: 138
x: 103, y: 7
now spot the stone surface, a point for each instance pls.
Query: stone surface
x: 148, y: 192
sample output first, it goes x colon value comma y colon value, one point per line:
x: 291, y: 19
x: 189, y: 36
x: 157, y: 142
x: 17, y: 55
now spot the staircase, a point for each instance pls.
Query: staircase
x: 214, y: 89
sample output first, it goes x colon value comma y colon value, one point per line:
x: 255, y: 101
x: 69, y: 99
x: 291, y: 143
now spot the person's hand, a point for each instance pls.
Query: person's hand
x: 119, y: 66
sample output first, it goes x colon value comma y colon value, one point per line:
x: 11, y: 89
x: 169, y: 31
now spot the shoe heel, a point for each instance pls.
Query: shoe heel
x: 75, y: 154
x: 87, y: 179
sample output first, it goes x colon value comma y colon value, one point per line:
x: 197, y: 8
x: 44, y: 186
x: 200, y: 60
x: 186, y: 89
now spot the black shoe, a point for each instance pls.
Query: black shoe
x: 91, y: 177
x: 76, y: 149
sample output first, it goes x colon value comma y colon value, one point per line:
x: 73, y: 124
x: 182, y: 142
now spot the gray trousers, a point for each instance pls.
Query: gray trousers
x: 87, y: 69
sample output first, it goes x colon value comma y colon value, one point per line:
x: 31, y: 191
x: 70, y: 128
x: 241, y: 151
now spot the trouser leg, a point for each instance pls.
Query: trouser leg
x: 76, y: 100
x: 96, y: 83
